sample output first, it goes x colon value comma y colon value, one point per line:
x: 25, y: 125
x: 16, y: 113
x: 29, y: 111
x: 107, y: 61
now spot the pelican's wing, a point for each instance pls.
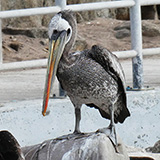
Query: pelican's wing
x: 112, y: 66
x: 109, y: 62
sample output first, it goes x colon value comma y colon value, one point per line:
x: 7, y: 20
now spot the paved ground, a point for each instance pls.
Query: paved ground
x: 29, y: 84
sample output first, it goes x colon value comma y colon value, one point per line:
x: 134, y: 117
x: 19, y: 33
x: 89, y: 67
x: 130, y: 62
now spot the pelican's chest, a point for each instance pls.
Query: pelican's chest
x: 76, y: 71
x: 85, y: 77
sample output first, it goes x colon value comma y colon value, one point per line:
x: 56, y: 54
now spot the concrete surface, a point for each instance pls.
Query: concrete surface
x: 25, y: 121
x: 21, y: 95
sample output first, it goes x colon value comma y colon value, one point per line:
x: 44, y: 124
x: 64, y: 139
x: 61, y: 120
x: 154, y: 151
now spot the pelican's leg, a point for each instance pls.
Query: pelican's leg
x: 77, y: 119
x: 110, y: 130
x: 111, y: 127
x: 77, y: 125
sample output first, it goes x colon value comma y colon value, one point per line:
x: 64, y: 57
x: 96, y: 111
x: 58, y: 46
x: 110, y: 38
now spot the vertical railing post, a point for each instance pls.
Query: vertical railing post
x: 136, y: 43
x: 61, y: 4
x: 1, y: 56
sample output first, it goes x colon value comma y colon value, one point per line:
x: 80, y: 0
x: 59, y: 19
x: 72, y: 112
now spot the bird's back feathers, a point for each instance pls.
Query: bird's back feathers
x: 111, y: 65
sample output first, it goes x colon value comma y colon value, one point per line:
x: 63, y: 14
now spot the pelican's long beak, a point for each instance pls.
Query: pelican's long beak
x: 56, y: 48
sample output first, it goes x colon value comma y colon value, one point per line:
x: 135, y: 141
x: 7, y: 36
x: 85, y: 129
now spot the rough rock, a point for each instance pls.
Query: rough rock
x: 9, y: 147
x: 122, y: 33
x: 141, y: 154
x: 30, y: 32
x: 80, y: 44
x: 43, y: 20
x: 15, y: 45
x: 93, y: 146
x: 122, y: 14
x: 149, y: 29
x: 91, y: 15
x: 42, y: 32
x: 30, y: 21
x: 158, y: 11
x: 149, y: 12
x: 155, y: 148
x: 125, y: 25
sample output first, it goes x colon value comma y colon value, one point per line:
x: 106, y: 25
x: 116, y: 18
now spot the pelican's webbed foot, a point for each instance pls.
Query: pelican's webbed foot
x: 111, y: 134
x: 69, y: 136
x: 77, y: 132
x: 73, y: 135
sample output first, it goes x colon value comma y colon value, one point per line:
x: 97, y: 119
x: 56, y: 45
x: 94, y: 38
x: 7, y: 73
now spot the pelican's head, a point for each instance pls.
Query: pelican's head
x: 61, y: 31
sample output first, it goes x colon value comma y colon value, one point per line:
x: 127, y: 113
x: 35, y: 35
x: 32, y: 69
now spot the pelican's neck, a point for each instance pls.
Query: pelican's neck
x: 68, y: 16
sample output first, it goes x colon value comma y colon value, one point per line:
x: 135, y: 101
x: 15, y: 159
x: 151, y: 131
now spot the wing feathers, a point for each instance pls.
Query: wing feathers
x: 111, y: 65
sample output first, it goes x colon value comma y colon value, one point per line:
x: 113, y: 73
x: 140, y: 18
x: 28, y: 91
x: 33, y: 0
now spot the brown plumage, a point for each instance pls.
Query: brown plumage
x: 93, y: 77
x: 97, y: 80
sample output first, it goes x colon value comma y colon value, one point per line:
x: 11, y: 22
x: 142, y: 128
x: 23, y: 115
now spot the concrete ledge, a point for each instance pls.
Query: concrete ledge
x: 24, y: 120
x: 143, y: 125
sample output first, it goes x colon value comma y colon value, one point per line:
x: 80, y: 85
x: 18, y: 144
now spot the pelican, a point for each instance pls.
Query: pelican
x: 93, y: 77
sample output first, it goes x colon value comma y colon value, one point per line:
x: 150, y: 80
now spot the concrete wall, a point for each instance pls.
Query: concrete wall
x: 24, y: 120
x: 143, y: 128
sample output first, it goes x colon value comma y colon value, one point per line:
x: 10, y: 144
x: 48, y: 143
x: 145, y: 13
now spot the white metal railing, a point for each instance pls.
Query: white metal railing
x: 136, y: 32
x: 60, y: 6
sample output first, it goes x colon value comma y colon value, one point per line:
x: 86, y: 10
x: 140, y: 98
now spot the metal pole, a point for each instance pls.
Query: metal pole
x: 61, y: 4
x: 136, y: 43
x: 1, y: 56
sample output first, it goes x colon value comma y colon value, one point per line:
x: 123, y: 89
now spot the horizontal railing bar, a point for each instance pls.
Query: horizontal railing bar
x: 74, y: 7
x: 125, y: 54
x: 29, y: 12
x: 43, y: 62
x: 149, y: 2
x: 150, y: 51
x: 100, y: 5
x: 23, y: 65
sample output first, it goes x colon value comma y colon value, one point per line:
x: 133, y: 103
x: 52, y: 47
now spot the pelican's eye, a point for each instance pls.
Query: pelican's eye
x: 55, y: 31
x: 68, y: 31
